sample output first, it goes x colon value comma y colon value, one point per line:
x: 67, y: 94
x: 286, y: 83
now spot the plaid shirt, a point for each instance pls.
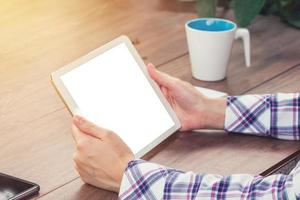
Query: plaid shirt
x: 275, y: 115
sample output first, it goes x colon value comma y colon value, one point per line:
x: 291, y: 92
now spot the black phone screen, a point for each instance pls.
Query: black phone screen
x: 15, y: 188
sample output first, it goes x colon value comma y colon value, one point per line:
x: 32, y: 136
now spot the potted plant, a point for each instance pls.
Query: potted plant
x: 246, y: 10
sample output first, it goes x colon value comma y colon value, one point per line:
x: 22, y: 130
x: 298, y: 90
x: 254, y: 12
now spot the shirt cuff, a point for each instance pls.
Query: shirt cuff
x: 143, y: 179
x: 248, y: 114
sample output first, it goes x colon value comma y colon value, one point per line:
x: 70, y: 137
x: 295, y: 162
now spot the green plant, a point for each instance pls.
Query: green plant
x: 246, y: 10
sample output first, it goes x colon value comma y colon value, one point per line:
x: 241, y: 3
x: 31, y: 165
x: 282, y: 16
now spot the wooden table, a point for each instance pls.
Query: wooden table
x: 38, y: 37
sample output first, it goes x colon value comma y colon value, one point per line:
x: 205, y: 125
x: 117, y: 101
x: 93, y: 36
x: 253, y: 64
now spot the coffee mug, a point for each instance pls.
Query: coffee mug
x: 209, y: 42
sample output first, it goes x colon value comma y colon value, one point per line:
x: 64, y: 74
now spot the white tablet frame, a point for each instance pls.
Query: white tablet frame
x: 72, y: 107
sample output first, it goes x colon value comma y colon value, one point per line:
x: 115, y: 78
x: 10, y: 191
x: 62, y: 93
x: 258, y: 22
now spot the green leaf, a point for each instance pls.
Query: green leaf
x: 293, y: 20
x: 270, y: 7
x: 291, y: 13
x: 285, y: 2
x: 246, y: 10
x: 206, y: 8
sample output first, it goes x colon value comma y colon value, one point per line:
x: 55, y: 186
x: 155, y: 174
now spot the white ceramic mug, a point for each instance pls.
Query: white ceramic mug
x: 210, y: 41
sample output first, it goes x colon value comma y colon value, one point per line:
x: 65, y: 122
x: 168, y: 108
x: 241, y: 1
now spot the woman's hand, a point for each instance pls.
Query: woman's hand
x: 101, y: 156
x: 194, y: 110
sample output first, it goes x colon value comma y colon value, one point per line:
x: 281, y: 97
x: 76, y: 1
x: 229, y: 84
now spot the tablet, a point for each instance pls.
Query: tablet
x: 111, y: 87
x: 13, y: 188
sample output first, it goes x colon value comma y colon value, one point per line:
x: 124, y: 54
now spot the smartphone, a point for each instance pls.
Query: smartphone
x: 12, y: 188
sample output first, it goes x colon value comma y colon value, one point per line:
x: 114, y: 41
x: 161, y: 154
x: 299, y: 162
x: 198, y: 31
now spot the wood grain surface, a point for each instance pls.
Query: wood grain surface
x: 38, y: 37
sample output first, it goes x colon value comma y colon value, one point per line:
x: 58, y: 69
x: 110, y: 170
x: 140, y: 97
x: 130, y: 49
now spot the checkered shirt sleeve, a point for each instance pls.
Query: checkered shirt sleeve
x: 275, y: 115
x: 149, y: 181
x: 272, y: 115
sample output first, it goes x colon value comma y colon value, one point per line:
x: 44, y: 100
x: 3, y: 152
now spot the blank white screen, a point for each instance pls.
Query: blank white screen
x: 112, y: 91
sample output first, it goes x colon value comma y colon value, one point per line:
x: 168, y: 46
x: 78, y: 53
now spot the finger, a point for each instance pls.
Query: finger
x: 76, y: 133
x: 89, y: 128
x: 159, y: 77
x: 83, y: 173
x: 163, y: 90
x: 81, y: 161
x: 166, y: 93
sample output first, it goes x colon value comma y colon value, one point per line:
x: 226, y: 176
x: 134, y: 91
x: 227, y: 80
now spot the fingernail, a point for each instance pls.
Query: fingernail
x: 151, y: 66
x: 79, y: 120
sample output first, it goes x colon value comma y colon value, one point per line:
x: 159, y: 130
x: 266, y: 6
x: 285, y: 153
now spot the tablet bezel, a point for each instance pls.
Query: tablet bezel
x: 72, y: 107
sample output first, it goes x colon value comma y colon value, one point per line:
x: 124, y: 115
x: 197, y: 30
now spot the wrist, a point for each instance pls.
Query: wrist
x: 215, y: 113
x: 123, y: 167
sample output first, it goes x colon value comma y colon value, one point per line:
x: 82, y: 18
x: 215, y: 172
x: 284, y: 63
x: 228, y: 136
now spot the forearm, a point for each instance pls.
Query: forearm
x: 143, y: 180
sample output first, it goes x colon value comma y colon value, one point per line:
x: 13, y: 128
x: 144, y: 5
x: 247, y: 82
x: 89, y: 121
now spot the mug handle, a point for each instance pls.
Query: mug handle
x: 243, y: 33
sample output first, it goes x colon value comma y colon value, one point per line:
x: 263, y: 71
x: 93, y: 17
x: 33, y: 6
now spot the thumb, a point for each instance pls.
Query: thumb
x: 89, y: 128
x: 160, y: 78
